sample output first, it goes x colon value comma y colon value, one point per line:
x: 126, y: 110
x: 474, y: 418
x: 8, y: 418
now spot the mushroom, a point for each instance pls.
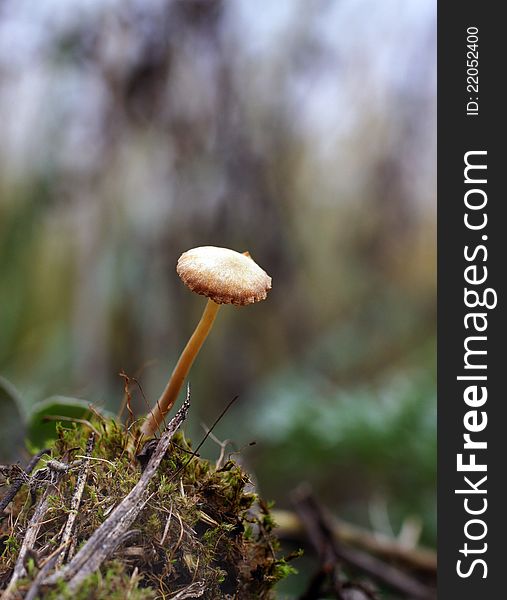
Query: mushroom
x: 224, y: 277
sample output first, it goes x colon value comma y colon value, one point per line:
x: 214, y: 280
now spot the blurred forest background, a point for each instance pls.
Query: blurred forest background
x: 303, y: 131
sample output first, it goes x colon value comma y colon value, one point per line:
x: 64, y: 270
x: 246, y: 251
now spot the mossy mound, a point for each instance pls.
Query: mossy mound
x: 202, y: 532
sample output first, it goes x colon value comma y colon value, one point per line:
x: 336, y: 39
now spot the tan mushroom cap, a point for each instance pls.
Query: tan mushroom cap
x: 223, y: 275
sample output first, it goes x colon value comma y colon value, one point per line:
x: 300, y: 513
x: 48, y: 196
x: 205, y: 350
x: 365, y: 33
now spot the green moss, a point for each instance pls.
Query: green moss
x: 199, y: 524
x: 113, y: 583
x: 11, y: 547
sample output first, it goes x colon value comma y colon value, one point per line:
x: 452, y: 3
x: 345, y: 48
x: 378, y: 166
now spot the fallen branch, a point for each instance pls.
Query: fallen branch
x: 107, y: 537
x: 330, y: 550
x: 74, y: 504
x: 16, y: 486
x: 329, y: 578
x: 29, y: 540
x: 423, y: 559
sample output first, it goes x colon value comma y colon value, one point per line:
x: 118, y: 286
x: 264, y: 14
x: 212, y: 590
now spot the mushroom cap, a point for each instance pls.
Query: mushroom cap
x: 225, y: 276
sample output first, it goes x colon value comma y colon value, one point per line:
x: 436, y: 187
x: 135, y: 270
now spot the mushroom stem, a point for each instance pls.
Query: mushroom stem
x: 173, y: 387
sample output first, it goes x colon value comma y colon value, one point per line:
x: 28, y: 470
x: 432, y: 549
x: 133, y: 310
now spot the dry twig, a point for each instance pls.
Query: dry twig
x: 420, y: 559
x: 331, y: 551
x: 107, y: 537
x: 75, y: 502
x: 195, y: 590
x: 48, y: 477
x: 42, y: 574
x: 16, y: 486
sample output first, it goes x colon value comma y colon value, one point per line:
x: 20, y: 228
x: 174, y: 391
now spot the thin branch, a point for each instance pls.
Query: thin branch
x: 223, y: 445
x: 195, y: 452
x: 195, y: 590
x: 419, y: 558
x: 106, y: 538
x: 76, y: 501
x: 318, y: 526
x: 49, y: 564
x: 16, y: 486
x: 166, y: 528
x: 29, y: 540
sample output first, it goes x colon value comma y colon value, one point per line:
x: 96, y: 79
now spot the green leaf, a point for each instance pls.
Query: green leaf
x: 12, y: 425
x: 44, y: 417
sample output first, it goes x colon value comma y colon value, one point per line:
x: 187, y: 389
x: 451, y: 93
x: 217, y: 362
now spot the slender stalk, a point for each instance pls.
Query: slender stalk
x: 180, y: 372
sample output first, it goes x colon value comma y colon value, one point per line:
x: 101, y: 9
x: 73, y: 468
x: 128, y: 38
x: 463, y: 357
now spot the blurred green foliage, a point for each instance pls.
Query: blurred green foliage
x: 44, y: 415
x: 357, y: 445
x: 12, y: 427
